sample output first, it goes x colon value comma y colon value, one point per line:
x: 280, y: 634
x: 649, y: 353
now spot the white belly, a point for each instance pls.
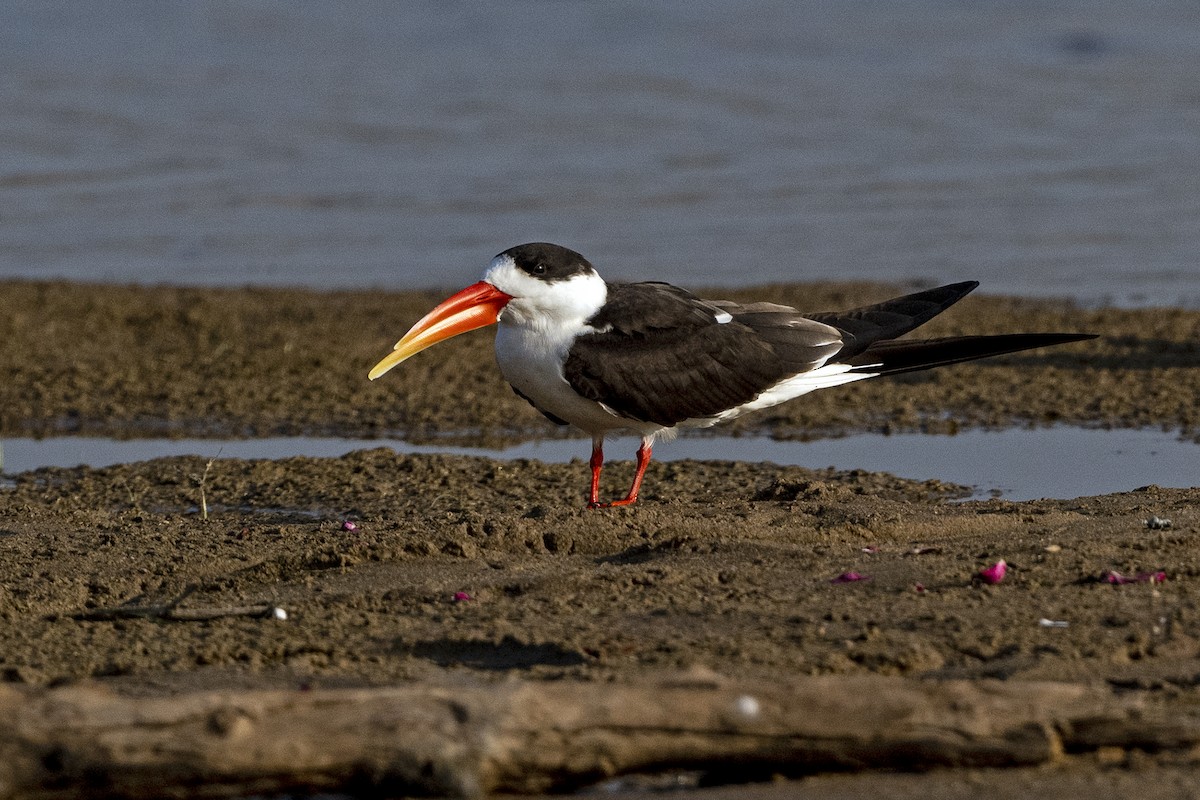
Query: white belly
x: 531, y: 360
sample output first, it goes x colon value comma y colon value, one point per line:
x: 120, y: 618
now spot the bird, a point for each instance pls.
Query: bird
x: 650, y: 358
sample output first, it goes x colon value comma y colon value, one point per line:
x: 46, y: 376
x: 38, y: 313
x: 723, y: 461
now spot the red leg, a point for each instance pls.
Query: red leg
x: 596, y: 463
x: 643, y: 461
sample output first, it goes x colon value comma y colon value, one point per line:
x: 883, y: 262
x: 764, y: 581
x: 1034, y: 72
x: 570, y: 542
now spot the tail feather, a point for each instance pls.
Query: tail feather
x: 895, y: 357
x: 862, y: 327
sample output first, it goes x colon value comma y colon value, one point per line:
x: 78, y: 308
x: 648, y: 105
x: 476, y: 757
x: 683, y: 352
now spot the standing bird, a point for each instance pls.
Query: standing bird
x: 650, y: 357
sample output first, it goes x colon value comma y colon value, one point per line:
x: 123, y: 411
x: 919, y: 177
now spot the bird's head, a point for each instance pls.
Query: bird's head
x: 537, y: 284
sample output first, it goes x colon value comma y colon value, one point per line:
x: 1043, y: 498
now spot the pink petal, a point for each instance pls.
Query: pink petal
x: 460, y: 597
x: 995, y: 573
x: 349, y: 526
x: 1117, y: 579
x: 919, y: 588
x: 849, y: 577
x: 871, y: 549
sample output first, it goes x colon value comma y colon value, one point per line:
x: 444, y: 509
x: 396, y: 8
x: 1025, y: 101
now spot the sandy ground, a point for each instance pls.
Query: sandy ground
x: 722, y: 566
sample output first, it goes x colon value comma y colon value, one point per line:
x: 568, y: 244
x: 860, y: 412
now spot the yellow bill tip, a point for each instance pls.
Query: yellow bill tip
x: 390, y: 360
x: 475, y: 306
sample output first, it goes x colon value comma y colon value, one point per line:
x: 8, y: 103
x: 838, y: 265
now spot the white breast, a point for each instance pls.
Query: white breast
x: 531, y: 360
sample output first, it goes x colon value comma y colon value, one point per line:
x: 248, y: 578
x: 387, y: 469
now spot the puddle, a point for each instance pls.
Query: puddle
x: 1060, y: 462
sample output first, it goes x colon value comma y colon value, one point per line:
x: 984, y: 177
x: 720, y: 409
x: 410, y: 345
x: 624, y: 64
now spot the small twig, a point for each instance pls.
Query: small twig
x: 187, y: 592
x: 172, y: 614
x: 133, y: 501
x: 171, y: 611
x: 201, y: 614
x: 203, y: 479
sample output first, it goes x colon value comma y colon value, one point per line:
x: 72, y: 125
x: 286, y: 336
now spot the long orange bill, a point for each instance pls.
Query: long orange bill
x: 474, y: 307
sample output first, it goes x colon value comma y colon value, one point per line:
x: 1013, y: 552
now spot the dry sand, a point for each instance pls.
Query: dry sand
x: 722, y: 567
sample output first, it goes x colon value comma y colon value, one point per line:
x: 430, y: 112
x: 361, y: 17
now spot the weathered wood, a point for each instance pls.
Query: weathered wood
x: 469, y: 738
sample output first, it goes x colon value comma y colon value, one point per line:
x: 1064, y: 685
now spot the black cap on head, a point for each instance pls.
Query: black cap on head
x: 548, y: 262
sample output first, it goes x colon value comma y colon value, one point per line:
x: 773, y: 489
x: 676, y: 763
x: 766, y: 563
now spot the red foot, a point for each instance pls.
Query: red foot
x: 643, y: 460
x: 628, y: 501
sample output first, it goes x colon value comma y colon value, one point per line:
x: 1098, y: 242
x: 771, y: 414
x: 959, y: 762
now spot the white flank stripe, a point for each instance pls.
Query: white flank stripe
x: 805, y: 382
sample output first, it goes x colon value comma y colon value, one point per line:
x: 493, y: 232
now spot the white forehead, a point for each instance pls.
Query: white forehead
x: 579, y: 296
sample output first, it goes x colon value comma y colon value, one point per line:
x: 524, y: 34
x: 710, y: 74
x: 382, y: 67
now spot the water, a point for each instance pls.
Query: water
x: 1045, y: 148
x: 1059, y: 462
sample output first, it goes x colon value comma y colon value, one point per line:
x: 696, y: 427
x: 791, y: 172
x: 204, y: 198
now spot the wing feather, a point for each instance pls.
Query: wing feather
x: 663, y: 355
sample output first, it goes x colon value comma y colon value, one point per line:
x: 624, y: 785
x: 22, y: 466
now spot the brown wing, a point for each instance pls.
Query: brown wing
x: 663, y: 355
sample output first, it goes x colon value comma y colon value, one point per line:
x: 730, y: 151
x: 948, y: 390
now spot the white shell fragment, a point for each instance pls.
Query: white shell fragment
x: 747, y: 707
x: 278, y: 613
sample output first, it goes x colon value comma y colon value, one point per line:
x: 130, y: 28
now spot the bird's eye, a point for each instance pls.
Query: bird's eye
x: 539, y: 269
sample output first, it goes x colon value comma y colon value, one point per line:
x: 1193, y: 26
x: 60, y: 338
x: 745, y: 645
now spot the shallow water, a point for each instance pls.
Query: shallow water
x: 1060, y: 462
x: 1042, y: 148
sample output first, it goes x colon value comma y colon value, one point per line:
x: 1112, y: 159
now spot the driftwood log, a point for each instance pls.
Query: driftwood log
x: 471, y: 738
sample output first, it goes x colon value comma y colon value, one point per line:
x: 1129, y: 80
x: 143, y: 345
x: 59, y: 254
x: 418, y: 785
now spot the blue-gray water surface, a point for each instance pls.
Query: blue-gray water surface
x: 1044, y: 148
x: 1016, y: 464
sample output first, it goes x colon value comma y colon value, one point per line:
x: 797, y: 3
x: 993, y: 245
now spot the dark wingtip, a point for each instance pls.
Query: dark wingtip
x: 896, y: 356
x: 1064, y: 338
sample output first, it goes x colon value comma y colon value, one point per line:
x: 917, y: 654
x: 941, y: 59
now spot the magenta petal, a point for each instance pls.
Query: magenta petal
x: 995, y: 573
x: 849, y: 577
x: 349, y: 526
